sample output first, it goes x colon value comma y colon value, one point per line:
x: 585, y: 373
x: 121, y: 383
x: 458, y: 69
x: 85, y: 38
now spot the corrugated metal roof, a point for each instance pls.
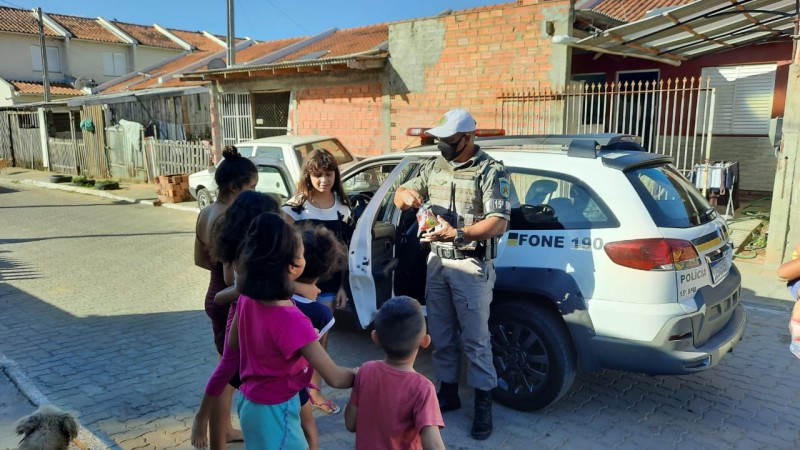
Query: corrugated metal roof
x: 695, y: 29
x: 632, y: 10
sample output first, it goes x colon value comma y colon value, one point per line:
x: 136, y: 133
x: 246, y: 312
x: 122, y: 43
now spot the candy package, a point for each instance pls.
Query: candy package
x: 426, y: 219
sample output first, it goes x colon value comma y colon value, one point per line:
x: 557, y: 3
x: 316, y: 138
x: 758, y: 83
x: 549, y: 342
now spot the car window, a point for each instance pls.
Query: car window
x: 369, y: 179
x: 673, y: 202
x: 332, y: 145
x: 275, y: 152
x: 245, y: 150
x: 553, y: 201
x: 271, y: 180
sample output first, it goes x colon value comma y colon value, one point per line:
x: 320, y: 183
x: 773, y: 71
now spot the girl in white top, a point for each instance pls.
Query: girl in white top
x: 321, y: 200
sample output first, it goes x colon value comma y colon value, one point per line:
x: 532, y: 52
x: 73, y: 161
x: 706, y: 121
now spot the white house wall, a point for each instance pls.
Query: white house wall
x: 17, y: 63
x: 86, y: 59
x: 147, y: 56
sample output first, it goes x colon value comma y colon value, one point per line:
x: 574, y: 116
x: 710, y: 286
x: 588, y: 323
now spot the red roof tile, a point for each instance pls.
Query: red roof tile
x: 345, y: 42
x: 15, y: 20
x: 31, y: 87
x: 147, y: 35
x: 631, y: 10
x: 198, y: 40
x: 85, y: 28
x: 151, y: 79
x: 264, y: 49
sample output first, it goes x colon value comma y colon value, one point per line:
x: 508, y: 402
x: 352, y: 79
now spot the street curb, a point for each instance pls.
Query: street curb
x: 35, y: 396
x: 104, y: 194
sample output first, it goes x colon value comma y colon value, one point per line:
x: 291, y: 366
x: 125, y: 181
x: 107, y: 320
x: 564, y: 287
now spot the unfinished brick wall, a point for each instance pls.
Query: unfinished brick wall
x: 352, y: 113
x: 482, y: 52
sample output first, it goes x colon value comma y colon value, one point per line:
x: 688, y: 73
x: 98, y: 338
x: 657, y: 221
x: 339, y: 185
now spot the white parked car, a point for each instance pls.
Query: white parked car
x: 290, y: 150
x: 613, y: 260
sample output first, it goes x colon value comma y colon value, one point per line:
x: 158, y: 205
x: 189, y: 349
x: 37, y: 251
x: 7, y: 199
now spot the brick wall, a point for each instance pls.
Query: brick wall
x: 467, y: 60
x: 350, y: 112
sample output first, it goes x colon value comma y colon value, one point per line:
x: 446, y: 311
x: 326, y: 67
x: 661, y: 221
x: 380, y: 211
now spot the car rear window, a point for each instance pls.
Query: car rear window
x: 332, y: 145
x: 673, y: 202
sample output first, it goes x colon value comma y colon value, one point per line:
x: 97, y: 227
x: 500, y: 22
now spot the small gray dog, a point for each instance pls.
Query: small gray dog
x: 48, y: 428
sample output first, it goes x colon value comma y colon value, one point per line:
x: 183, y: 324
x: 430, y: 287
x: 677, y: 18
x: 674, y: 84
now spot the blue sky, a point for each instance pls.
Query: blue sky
x: 259, y: 19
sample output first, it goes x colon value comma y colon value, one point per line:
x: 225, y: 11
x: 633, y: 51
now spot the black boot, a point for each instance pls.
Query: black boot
x: 448, y: 397
x: 482, y: 425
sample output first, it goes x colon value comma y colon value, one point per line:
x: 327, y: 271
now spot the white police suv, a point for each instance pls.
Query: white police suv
x: 612, y: 260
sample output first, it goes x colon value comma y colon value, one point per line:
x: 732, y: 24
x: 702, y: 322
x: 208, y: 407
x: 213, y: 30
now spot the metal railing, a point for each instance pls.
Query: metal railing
x: 672, y: 117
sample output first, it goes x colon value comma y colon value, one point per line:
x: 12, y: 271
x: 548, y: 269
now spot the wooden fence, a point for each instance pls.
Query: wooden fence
x: 26, y: 139
x: 62, y: 156
x: 175, y: 157
x: 5, y: 136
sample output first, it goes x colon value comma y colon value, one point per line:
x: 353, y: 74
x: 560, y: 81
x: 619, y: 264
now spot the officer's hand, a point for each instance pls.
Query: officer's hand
x: 412, y: 198
x: 442, y: 233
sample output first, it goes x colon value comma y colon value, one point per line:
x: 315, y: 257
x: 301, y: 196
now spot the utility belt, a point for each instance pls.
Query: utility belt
x: 485, y: 250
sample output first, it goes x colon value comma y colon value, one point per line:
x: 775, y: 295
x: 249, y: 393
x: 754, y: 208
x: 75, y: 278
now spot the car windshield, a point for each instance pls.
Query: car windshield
x: 673, y: 202
x: 332, y: 145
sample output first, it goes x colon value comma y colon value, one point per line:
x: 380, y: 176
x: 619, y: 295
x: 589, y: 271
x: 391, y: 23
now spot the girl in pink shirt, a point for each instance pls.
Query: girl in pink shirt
x: 278, y: 347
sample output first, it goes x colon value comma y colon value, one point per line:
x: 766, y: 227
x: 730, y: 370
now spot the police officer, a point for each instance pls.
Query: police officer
x: 468, y: 191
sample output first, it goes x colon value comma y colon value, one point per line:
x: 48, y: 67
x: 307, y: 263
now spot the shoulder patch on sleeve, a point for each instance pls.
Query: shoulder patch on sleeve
x: 505, y: 187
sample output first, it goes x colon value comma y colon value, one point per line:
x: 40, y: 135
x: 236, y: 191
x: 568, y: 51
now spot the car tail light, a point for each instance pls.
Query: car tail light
x: 416, y: 131
x: 654, y: 254
x: 488, y: 132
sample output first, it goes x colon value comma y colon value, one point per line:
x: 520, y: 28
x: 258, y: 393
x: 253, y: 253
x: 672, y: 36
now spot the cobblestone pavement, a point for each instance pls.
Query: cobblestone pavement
x: 102, y: 308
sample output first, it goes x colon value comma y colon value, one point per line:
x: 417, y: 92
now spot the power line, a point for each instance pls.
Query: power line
x: 287, y: 16
x: 13, y: 5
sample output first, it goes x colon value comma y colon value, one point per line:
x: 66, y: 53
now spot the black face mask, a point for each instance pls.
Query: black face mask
x: 450, y: 151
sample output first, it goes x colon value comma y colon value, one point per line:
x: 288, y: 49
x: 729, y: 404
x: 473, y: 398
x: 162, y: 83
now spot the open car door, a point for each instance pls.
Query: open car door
x: 371, y: 258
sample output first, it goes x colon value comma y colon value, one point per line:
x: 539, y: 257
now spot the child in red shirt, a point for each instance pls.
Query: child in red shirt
x: 392, y: 406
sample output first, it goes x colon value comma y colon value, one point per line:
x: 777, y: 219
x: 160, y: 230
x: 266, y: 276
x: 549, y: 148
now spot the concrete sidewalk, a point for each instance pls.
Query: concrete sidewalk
x: 130, y: 192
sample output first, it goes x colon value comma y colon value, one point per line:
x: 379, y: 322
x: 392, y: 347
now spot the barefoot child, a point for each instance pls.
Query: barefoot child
x: 235, y: 174
x: 392, y: 406
x: 229, y: 232
x: 278, y: 346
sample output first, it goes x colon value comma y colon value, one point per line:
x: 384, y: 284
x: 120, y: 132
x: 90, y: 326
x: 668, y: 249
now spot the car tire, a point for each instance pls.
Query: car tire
x: 203, y: 198
x: 533, y: 356
x: 60, y: 178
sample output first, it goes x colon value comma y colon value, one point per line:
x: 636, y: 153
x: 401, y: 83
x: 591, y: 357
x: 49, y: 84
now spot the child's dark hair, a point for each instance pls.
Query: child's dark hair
x: 234, y: 172
x: 231, y: 229
x: 315, y: 163
x: 266, y: 252
x: 324, y: 253
x: 399, y: 324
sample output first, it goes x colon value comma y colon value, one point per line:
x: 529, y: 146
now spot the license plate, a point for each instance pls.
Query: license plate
x: 721, y: 267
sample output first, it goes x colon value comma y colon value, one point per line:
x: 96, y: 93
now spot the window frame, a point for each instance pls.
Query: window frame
x: 53, y: 64
x: 730, y: 118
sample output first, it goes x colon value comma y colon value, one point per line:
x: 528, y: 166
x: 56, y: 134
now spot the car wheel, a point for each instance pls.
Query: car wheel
x: 203, y: 198
x: 533, y: 356
x: 60, y: 178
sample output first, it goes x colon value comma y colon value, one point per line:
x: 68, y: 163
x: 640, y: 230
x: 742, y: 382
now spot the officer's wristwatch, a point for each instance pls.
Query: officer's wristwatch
x: 459, y: 239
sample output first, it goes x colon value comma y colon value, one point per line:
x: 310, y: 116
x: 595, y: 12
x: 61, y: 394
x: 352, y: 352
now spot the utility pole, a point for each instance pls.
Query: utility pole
x: 231, y: 36
x: 43, y: 48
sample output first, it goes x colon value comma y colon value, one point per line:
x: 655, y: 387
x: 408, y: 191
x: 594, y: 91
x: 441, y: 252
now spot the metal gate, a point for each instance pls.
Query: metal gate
x: 27, y: 140
x: 271, y: 114
x: 237, y: 124
x: 673, y: 117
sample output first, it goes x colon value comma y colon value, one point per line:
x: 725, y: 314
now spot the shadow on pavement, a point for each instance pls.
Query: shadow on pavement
x: 90, y: 236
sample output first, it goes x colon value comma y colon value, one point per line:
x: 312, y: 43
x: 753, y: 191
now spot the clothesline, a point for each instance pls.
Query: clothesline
x: 718, y: 176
